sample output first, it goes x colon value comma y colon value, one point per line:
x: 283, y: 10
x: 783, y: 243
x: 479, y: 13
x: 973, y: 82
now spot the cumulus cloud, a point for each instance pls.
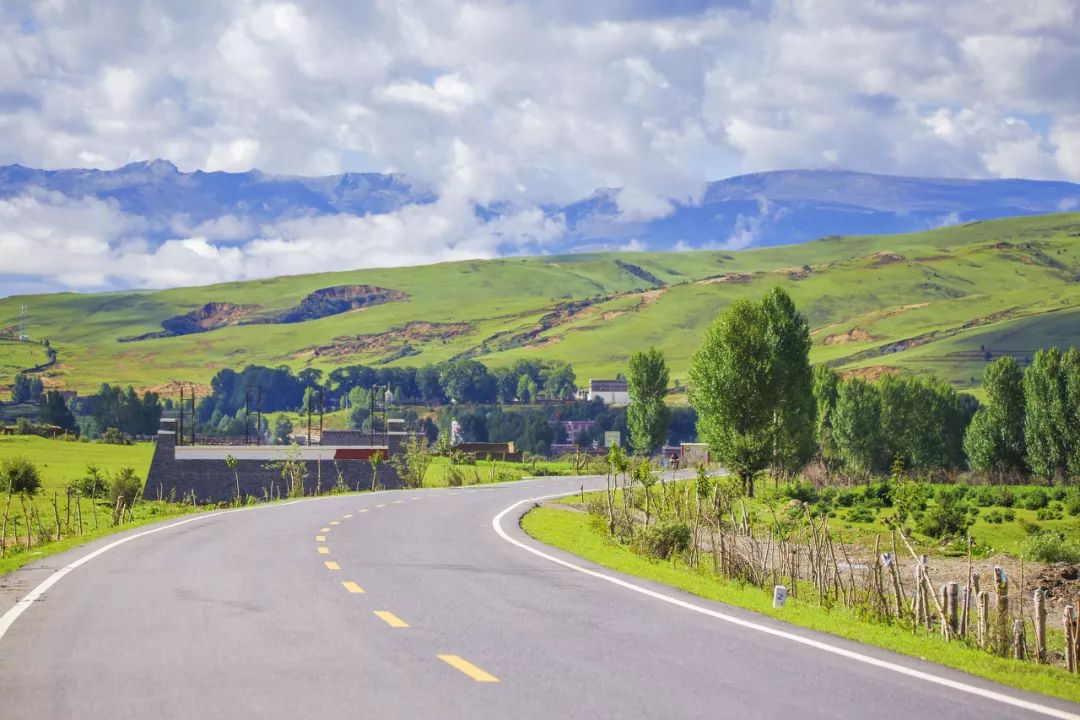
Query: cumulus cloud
x: 526, y: 104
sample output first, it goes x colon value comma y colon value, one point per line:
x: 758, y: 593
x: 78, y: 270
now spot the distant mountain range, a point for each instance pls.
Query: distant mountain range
x: 761, y: 209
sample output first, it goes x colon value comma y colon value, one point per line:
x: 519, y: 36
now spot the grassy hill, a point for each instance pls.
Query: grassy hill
x: 933, y: 301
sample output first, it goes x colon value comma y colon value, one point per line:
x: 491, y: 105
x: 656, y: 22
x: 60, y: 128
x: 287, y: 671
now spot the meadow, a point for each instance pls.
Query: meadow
x: 942, y: 301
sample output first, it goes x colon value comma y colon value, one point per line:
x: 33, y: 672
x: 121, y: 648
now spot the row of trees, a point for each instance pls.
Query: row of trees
x: 27, y: 389
x: 463, y: 381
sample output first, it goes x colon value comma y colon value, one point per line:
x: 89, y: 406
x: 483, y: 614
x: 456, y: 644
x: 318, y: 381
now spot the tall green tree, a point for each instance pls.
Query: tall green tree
x: 751, y: 387
x: 856, y: 425
x: 1046, y: 430
x: 826, y: 390
x: 54, y: 411
x: 647, y: 415
x: 1070, y: 363
x: 923, y: 422
x: 994, y: 441
x: 795, y: 411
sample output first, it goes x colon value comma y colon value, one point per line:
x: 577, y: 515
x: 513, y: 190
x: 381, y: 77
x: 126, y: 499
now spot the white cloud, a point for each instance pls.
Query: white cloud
x: 525, y: 104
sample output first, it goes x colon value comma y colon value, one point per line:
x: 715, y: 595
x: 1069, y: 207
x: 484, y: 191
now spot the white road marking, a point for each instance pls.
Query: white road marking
x: 1000, y: 697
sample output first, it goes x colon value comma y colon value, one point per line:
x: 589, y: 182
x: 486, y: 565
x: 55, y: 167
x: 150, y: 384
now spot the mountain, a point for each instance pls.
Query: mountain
x: 942, y: 301
x: 762, y: 209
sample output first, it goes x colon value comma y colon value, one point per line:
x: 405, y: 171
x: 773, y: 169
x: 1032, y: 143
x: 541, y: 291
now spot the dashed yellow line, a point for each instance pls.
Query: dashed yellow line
x: 325, y: 530
x: 320, y: 538
x: 381, y: 506
x: 352, y: 587
x: 323, y: 550
x: 347, y: 516
x: 398, y: 502
x: 391, y: 619
x: 459, y: 663
x: 331, y: 565
x: 363, y: 510
x: 335, y: 522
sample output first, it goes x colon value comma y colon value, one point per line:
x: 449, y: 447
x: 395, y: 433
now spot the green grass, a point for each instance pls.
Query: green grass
x: 480, y: 473
x: 571, y: 531
x: 956, y: 290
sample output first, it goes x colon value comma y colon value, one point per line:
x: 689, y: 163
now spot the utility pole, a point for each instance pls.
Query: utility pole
x: 322, y: 409
x: 180, y: 425
x: 309, y: 416
x: 371, y: 413
x: 194, y: 420
x: 247, y: 412
x: 258, y: 414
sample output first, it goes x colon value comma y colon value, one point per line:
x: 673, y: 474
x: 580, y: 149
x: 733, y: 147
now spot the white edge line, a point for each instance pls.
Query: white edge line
x: 496, y: 523
x: 8, y: 618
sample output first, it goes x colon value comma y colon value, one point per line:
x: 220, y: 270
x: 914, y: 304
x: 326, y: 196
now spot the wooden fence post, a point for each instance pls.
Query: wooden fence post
x: 1040, y: 626
x: 1001, y: 635
x: 982, y: 605
x: 1018, y: 639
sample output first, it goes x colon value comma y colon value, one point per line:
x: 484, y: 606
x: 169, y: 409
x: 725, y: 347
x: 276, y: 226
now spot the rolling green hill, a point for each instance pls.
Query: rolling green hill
x: 940, y: 301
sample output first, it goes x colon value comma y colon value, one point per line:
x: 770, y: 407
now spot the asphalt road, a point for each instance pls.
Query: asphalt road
x: 419, y: 608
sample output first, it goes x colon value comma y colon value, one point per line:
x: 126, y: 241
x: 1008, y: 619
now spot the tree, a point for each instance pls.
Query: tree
x: 826, y: 391
x: 732, y: 391
x: 26, y: 389
x: 467, y: 381
x: 19, y: 475
x: 1046, y: 430
x: 1070, y: 364
x: 994, y: 441
x: 54, y: 411
x: 856, y: 424
x: 647, y: 415
x: 283, y: 428
x: 429, y: 384
x: 795, y: 410
x: 923, y: 422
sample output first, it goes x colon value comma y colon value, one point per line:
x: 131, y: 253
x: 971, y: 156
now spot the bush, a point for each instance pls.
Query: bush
x: 861, y: 514
x: 1009, y: 514
x: 949, y: 516
x: 93, y: 484
x: 994, y: 517
x: 1048, y: 514
x: 802, y: 491
x: 1058, y: 492
x: 125, y: 484
x: 1031, y: 528
x: 877, y: 495
x: 1051, y: 547
x: 19, y: 475
x: 984, y: 496
x: 113, y: 436
x: 1005, y: 496
x: 909, y: 499
x: 1034, y: 499
x: 1072, y: 502
x: 454, y: 476
x: 847, y: 497
x: 666, y: 538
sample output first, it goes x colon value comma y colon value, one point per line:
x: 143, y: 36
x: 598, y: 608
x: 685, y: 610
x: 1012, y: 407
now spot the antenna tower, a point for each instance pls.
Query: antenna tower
x: 22, y: 321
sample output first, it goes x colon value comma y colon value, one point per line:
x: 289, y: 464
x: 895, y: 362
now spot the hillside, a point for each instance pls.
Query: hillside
x: 939, y: 301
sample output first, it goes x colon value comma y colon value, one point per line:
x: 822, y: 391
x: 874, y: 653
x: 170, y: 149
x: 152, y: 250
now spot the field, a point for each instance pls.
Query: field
x: 942, y: 301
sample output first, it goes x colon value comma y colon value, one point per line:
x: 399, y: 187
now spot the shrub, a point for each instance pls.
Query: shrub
x: 994, y: 517
x: 125, y: 484
x: 1034, y: 499
x: 1051, y: 547
x: 112, y: 436
x: 19, y: 475
x: 1072, y: 502
x: 1058, y: 492
x: 666, y: 538
x: 1005, y: 496
x: 847, y: 497
x: 909, y: 499
x: 802, y: 491
x: 1009, y: 514
x: 1030, y: 527
x: 984, y: 496
x: 93, y: 484
x: 861, y: 514
x: 949, y: 516
x: 1048, y: 514
x: 877, y: 495
x: 454, y: 476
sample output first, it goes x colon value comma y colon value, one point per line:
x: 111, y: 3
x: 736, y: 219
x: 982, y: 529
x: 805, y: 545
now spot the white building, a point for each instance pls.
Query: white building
x: 612, y: 392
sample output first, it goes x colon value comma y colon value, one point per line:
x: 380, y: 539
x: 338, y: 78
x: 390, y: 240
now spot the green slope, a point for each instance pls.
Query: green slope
x: 932, y: 301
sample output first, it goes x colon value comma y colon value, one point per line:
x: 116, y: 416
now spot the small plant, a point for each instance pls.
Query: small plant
x: 994, y: 517
x: 1051, y: 547
x: 665, y: 538
x: 93, y: 484
x: 1035, y: 499
x: 413, y: 461
x: 861, y: 514
x: 453, y: 475
x: 19, y: 475
x: 1048, y: 514
x: 113, y: 436
x: 1072, y: 502
x: 950, y: 516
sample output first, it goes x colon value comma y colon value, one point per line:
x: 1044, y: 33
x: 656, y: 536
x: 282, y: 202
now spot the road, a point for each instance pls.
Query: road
x: 411, y: 604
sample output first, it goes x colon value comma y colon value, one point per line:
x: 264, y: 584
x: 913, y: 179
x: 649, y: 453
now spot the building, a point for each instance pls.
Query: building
x: 611, y: 392
x: 572, y: 428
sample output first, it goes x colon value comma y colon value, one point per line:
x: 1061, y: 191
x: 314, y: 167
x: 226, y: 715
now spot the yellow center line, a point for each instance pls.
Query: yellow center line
x: 391, y: 619
x: 352, y: 587
x: 459, y: 663
x: 381, y: 506
x: 325, y: 530
x: 348, y: 516
x: 335, y: 522
x: 398, y: 502
x: 363, y: 510
x: 324, y: 550
x: 320, y: 538
x: 331, y: 565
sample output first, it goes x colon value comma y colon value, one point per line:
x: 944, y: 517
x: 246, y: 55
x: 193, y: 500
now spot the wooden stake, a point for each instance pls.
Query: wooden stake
x: 1001, y: 586
x: 1069, y: 625
x: 965, y: 612
x: 982, y: 605
x: 1018, y: 639
x: 1039, y: 600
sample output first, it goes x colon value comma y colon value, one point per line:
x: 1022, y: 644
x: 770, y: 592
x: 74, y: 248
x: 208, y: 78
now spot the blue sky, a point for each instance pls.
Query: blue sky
x: 526, y: 104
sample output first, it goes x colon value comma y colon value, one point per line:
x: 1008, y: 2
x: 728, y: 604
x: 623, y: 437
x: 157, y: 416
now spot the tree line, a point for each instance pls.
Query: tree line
x: 761, y: 405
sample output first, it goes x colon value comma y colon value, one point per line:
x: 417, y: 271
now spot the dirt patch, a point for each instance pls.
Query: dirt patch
x: 902, y: 309
x: 731, y: 277
x: 1061, y: 582
x: 325, y: 302
x: 612, y: 314
x: 211, y: 316
x: 172, y: 389
x: 854, y: 335
x: 396, y: 341
x: 884, y: 257
x: 794, y: 273
x: 872, y: 373
x: 650, y: 296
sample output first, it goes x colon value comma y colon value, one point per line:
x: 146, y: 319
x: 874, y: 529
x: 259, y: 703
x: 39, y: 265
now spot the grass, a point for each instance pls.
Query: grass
x: 480, y: 473
x: 571, y: 531
x: 956, y: 291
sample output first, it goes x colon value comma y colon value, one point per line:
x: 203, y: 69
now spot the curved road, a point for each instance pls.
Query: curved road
x: 413, y: 604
